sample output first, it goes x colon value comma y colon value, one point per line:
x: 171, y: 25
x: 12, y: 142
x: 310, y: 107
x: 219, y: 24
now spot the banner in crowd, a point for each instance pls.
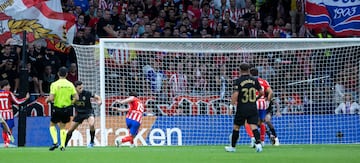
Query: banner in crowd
x: 340, y: 17
x: 39, y: 20
x: 36, y: 108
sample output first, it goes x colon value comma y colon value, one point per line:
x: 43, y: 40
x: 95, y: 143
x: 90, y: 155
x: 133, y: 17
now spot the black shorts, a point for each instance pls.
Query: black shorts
x: 80, y: 117
x: 61, y: 114
x: 251, y: 116
x: 269, y: 111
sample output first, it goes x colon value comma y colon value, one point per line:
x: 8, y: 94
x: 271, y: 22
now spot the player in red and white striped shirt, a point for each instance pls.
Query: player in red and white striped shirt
x: 134, y: 116
x: 7, y: 98
x: 262, y: 105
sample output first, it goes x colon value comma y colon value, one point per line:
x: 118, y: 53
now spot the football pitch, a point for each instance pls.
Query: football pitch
x: 185, y: 154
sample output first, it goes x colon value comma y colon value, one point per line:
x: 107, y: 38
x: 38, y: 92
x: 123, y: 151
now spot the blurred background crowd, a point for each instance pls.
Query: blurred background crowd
x: 189, y: 19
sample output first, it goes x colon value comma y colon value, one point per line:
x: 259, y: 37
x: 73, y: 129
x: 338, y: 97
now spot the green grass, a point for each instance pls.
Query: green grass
x: 185, y: 154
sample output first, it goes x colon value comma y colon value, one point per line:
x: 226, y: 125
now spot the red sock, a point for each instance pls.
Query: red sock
x: 5, y: 137
x: 249, y: 130
x: 262, y: 132
x: 127, y: 138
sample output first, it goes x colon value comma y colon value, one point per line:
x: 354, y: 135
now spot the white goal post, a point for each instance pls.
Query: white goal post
x: 185, y: 85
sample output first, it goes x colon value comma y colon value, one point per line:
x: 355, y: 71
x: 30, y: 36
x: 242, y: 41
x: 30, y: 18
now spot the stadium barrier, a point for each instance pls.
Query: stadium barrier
x: 165, y: 130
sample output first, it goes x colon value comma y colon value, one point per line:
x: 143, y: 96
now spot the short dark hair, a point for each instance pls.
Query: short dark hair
x: 254, y: 71
x: 4, y: 83
x: 62, y: 71
x: 132, y: 93
x: 244, y: 66
x: 77, y: 83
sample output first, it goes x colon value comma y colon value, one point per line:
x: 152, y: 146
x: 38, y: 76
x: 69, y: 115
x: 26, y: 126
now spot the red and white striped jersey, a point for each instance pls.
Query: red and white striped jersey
x: 243, y: 11
x: 103, y: 4
x: 136, y: 110
x: 261, y: 103
x: 253, y: 32
x: 6, y: 100
x: 234, y: 14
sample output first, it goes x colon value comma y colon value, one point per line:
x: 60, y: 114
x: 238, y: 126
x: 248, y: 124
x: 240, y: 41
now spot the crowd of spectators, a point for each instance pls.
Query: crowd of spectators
x: 187, y: 19
x: 42, y: 65
x: 199, y: 75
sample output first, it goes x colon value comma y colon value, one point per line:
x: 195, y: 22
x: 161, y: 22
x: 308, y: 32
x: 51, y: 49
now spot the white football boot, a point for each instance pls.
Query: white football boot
x: 252, y: 142
x: 277, y: 143
x: 230, y: 149
x: 258, y: 147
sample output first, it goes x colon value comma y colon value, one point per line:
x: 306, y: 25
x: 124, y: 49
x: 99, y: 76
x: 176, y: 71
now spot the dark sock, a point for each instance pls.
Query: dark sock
x: 234, y: 138
x: 68, y: 137
x: 273, y: 132
x: 92, y: 135
x: 257, y: 136
x: 268, y: 133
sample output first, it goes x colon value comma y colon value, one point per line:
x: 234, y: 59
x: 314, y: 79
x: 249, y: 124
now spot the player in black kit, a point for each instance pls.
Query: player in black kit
x: 84, y: 111
x: 244, y: 98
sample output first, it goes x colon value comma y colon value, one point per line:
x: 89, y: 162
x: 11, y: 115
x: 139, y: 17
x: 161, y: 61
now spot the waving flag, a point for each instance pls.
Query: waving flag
x: 340, y: 17
x: 39, y: 20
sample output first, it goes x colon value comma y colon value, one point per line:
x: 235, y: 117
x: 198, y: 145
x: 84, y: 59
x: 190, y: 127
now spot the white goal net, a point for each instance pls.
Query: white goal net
x: 186, y: 86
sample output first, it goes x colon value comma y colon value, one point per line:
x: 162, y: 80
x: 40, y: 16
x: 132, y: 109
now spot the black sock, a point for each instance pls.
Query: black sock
x: 257, y: 136
x: 268, y: 132
x: 68, y: 137
x: 273, y: 132
x: 234, y: 138
x: 92, y: 136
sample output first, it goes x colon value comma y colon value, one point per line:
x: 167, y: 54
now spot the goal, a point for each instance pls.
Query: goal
x: 186, y: 86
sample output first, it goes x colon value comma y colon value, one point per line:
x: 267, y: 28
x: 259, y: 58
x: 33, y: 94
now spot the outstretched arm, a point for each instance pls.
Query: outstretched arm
x: 120, y: 109
x: 125, y: 101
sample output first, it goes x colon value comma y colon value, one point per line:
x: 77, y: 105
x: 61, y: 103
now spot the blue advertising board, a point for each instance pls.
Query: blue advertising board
x: 216, y: 129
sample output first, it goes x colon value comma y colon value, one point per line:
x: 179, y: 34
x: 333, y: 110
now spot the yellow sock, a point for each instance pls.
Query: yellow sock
x: 62, y: 137
x: 53, y: 133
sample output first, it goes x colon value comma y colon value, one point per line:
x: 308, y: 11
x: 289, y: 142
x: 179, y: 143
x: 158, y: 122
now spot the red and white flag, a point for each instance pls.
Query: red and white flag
x: 39, y: 20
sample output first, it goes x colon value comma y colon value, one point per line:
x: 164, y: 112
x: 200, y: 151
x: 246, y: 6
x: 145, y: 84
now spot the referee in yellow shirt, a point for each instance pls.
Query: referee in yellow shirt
x: 63, y: 94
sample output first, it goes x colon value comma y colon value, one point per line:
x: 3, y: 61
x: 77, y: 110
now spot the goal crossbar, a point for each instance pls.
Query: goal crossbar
x: 223, y: 45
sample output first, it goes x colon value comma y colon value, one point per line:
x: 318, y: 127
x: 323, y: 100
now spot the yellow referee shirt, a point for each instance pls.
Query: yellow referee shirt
x: 62, y: 90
